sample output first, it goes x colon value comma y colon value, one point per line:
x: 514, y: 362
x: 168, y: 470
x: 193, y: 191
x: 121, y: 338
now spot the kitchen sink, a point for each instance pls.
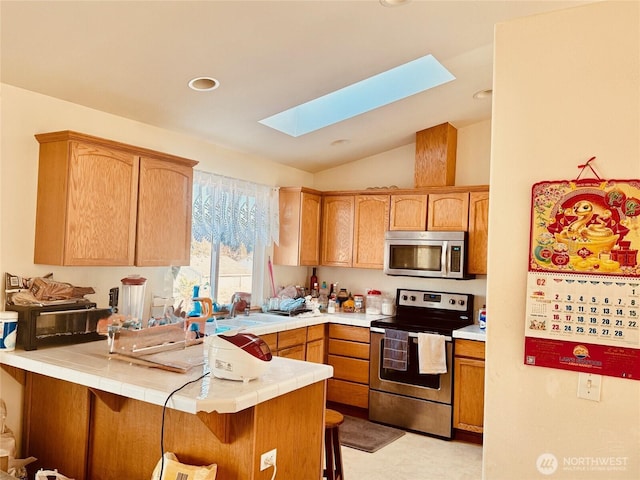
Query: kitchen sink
x: 238, y: 322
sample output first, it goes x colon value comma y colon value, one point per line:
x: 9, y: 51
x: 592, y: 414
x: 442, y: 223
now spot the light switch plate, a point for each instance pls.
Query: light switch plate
x: 589, y: 386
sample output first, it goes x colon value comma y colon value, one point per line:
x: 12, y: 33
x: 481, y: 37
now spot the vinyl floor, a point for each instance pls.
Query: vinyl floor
x: 415, y: 457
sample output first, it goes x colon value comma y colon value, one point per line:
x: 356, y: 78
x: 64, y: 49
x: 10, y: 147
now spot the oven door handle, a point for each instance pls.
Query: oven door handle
x: 411, y: 334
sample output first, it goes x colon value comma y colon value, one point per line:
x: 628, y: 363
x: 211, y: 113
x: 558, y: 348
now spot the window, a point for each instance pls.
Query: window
x: 233, y: 223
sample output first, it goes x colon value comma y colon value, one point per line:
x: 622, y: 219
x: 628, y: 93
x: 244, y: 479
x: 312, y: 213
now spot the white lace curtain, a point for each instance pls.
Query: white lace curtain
x: 234, y: 212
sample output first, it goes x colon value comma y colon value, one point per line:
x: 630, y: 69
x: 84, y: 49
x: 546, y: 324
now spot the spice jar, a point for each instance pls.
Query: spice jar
x: 358, y: 303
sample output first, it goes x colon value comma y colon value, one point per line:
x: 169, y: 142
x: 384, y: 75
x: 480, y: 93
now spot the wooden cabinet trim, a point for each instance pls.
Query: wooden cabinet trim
x: 68, y: 135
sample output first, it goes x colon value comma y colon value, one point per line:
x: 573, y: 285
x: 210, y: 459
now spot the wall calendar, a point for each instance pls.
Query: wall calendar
x: 583, y: 285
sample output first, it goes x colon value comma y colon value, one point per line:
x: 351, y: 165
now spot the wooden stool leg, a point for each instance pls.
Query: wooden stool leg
x: 329, y: 472
x: 338, y: 453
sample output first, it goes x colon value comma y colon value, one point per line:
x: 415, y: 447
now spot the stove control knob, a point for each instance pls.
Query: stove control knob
x: 452, y: 301
x: 413, y: 298
x: 404, y: 297
x: 461, y: 302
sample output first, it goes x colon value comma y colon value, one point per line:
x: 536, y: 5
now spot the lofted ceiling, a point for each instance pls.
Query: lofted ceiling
x: 135, y: 58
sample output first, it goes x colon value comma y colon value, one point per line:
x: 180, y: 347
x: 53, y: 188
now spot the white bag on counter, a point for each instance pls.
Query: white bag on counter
x: 174, y: 469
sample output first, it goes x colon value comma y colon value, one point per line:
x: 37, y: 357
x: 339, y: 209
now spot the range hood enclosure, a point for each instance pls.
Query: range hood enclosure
x: 435, y: 164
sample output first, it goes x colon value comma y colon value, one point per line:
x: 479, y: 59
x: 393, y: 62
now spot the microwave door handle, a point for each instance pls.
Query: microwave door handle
x: 444, y: 260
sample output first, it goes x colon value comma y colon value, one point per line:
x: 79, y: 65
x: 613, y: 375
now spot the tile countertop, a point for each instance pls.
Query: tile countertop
x: 89, y: 364
x: 470, y: 332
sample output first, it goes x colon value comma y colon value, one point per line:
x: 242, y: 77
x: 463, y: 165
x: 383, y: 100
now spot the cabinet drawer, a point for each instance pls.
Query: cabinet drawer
x: 347, y: 332
x: 470, y: 348
x: 351, y: 369
x: 315, y: 332
x: 297, y: 353
x: 348, y: 393
x: 289, y: 338
x: 348, y: 349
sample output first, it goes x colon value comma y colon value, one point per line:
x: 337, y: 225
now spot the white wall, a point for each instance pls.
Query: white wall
x: 395, y: 168
x: 566, y: 87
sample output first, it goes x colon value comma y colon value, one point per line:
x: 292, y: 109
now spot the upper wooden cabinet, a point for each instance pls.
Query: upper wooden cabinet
x: 478, y: 232
x: 337, y: 230
x: 299, y: 242
x: 106, y: 203
x: 408, y: 212
x: 448, y: 211
x: 371, y: 222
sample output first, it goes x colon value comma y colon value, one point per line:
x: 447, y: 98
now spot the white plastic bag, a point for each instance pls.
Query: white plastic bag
x: 174, y: 469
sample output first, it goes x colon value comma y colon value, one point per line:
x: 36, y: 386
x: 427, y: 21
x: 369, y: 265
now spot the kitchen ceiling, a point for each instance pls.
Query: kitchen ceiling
x: 135, y: 59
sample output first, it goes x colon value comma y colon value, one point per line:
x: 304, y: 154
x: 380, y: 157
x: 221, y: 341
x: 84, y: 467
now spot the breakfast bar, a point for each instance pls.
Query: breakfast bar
x: 99, y: 418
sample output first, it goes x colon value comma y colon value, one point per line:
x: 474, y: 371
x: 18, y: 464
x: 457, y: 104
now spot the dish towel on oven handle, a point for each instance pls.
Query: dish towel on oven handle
x: 394, y: 355
x: 432, y: 353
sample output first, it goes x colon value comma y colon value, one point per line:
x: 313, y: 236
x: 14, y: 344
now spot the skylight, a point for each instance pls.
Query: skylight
x: 360, y: 97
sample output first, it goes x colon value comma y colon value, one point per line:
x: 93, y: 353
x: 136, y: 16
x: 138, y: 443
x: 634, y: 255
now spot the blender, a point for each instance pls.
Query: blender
x: 132, y: 299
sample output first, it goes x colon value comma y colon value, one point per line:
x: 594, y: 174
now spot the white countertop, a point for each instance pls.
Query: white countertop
x: 89, y: 364
x: 471, y: 332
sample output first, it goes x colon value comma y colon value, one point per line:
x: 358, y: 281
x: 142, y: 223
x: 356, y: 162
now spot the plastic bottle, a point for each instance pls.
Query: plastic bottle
x: 482, y: 317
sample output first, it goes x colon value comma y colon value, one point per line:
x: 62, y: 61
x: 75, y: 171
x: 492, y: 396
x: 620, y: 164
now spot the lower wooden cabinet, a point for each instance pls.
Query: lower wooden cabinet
x: 348, y: 354
x: 305, y: 343
x: 468, y: 401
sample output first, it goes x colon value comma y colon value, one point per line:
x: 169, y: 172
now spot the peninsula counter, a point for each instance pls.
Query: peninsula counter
x: 97, y: 418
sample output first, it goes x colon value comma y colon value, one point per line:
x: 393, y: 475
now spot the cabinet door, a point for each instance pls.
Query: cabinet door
x: 478, y: 232
x: 310, y: 207
x: 299, y: 242
x: 337, y: 230
x: 164, y: 213
x: 468, y: 412
x: 371, y: 223
x: 448, y: 211
x: 408, y: 212
x: 315, y: 351
x: 87, y: 200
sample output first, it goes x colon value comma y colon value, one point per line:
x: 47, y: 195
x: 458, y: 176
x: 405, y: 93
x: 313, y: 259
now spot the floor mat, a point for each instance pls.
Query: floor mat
x: 365, y: 435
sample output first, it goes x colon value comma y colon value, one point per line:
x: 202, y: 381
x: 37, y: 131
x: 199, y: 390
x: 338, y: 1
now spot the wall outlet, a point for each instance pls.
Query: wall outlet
x: 268, y: 459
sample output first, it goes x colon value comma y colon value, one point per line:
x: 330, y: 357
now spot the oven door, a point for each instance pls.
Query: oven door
x: 437, y: 388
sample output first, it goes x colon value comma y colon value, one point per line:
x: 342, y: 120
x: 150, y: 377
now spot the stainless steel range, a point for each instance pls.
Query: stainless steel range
x: 399, y: 394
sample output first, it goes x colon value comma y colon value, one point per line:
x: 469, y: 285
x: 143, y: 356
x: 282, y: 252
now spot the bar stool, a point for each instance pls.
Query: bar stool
x: 332, y: 454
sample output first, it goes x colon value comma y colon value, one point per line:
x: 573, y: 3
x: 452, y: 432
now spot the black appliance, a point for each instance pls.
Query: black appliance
x: 60, y: 324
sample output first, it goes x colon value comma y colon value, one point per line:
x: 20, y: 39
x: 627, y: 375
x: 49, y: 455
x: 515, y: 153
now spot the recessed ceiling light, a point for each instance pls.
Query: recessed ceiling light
x: 483, y: 94
x: 203, y: 84
x: 394, y: 3
x: 381, y: 89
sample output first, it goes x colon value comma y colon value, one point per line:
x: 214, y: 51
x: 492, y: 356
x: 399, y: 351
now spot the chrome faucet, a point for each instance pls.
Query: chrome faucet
x: 234, y: 300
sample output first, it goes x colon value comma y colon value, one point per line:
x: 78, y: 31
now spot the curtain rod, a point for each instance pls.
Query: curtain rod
x: 236, y: 179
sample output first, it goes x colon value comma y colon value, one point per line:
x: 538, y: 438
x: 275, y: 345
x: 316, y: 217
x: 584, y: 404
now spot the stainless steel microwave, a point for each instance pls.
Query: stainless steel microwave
x: 426, y: 254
